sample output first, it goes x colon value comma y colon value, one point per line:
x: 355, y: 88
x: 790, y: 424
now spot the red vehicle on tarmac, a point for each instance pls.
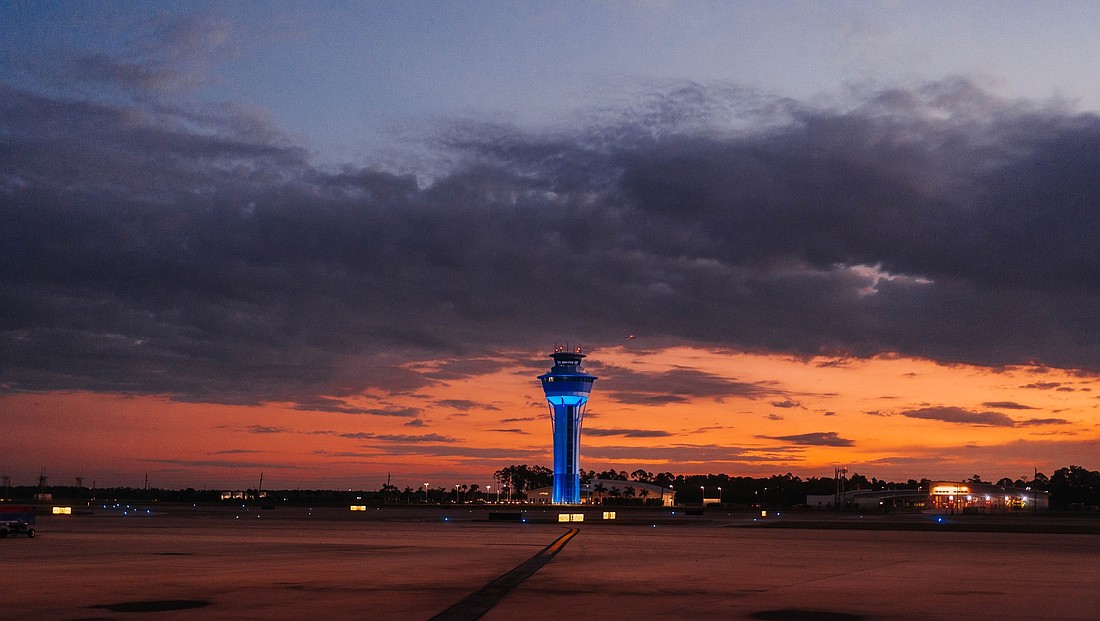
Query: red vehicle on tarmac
x: 16, y: 521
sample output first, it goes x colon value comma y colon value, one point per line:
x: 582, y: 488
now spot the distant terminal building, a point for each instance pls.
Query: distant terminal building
x: 938, y: 497
x: 567, y: 387
x: 985, y: 498
x: 598, y: 491
x: 239, y: 495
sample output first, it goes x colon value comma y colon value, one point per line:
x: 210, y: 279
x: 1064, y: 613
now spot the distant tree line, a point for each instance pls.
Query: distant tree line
x: 1071, y: 488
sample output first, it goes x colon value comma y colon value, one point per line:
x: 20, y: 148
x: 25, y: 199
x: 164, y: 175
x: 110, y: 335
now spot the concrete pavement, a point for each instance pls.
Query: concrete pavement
x: 329, y: 564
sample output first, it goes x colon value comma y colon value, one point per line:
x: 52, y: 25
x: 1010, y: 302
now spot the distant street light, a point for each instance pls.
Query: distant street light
x: 425, y: 493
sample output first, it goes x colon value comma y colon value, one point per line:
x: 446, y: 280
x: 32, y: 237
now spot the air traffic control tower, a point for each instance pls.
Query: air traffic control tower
x: 567, y: 387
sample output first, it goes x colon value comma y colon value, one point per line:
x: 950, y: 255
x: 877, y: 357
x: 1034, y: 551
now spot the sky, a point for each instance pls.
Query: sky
x: 334, y: 243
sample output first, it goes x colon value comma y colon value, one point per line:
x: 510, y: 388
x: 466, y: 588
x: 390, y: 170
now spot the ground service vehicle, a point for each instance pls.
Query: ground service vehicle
x: 16, y: 521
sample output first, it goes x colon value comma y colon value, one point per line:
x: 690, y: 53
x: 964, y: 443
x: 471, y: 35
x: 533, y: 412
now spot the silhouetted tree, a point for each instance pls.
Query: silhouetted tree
x: 599, y: 490
x: 523, y: 478
x: 389, y: 493
x: 1074, y: 488
x: 858, y: 481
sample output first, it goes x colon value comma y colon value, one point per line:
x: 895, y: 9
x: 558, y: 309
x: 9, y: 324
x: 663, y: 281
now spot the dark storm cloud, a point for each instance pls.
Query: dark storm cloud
x: 962, y: 416
x: 399, y: 438
x: 824, y: 438
x: 392, y: 411
x: 149, y: 246
x: 672, y: 386
x: 647, y: 399
x: 693, y: 454
x: 1007, y: 405
x: 466, y: 405
x: 218, y: 463
x: 334, y: 405
x: 629, y: 433
x: 340, y: 407
x: 1043, y: 385
x: 267, y: 429
x: 464, y: 368
x: 1033, y: 422
x: 460, y: 452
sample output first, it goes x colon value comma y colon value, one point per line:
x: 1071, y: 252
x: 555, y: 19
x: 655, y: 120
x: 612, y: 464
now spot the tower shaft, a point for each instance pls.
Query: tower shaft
x: 567, y: 441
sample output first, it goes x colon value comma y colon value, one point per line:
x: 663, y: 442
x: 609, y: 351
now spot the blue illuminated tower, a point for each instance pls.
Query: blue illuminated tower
x: 567, y: 387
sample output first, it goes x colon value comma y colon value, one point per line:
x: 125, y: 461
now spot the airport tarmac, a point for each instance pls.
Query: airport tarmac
x: 298, y: 563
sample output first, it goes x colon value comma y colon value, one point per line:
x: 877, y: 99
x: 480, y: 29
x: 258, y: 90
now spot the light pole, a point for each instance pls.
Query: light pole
x: 703, y: 495
x: 719, y: 496
x: 425, y: 493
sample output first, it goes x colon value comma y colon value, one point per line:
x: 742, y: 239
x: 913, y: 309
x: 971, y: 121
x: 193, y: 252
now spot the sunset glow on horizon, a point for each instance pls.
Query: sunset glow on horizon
x: 709, y: 411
